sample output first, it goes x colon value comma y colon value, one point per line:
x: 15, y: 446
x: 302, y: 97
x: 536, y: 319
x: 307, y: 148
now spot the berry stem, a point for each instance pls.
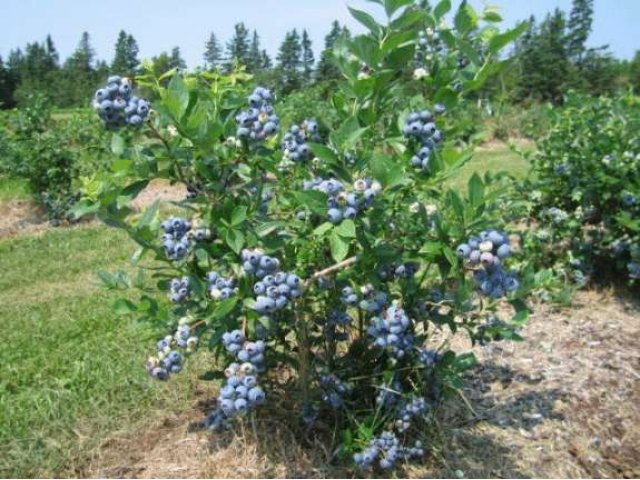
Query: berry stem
x: 338, y: 266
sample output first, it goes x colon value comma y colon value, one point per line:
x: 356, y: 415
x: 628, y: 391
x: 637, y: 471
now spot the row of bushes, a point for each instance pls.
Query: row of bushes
x: 52, y: 153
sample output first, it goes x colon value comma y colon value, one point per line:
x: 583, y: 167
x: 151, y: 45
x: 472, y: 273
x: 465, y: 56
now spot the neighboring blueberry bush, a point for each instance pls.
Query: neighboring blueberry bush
x: 584, y: 193
x: 320, y: 287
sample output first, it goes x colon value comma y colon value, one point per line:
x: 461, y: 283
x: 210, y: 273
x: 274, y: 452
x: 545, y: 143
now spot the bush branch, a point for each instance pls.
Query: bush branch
x: 333, y: 268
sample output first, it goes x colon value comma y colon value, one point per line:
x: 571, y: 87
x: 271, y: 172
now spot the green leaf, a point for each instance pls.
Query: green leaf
x: 84, y: 207
x: 312, y: 199
x: 450, y: 255
x: 323, y: 152
x: 235, y: 240
x: 466, y: 18
x: 117, y: 145
x: 346, y: 229
x: 122, y: 306
x: 320, y: 230
x: 149, y: 215
x: 224, y: 307
x: 498, y: 42
x: 365, y: 19
x: 239, y: 215
x: 392, y: 6
x: 385, y: 170
x: 177, y: 99
x: 431, y: 249
x: 339, y: 247
x: 476, y: 190
x: 443, y: 7
x: 465, y: 361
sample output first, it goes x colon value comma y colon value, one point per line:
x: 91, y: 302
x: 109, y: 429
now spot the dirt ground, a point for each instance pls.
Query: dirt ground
x: 564, y: 403
x: 19, y: 217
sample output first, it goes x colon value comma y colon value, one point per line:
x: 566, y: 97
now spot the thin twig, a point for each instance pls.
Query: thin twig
x: 333, y: 268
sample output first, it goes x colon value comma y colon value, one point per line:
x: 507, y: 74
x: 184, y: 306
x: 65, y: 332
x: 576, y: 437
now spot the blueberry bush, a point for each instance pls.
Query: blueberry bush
x: 52, y: 155
x: 585, y: 193
x: 327, y: 268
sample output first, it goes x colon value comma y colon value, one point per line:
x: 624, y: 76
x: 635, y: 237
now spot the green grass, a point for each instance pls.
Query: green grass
x: 71, y: 370
x: 495, y: 159
x: 13, y: 188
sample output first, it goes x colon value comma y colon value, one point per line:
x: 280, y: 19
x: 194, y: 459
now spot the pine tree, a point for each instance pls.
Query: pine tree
x: 265, y: 60
x: 212, y: 53
x: 289, y: 62
x: 254, y: 57
x: 176, y: 60
x: 7, y: 87
x: 82, y: 58
x: 578, y: 29
x: 125, y: 61
x: 307, y: 57
x: 53, y: 59
x: 238, y: 47
x: 326, y: 68
x: 634, y: 72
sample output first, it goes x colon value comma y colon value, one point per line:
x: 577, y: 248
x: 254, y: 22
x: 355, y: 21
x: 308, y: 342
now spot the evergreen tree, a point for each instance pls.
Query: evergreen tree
x: 238, y: 47
x: 7, y: 87
x: 81, y: 60
x: 176, y: 60
x: 254, y: 57
x: 265, y: 61
x: 634, y: 72
x: 78, y: 79
x: 53, y: 59
x: 161, y: 64
x: 326, y: 68
x: 307, y: 57
x: 544, y: 62
x: 289, y: 62
x: 125, y: 61
x: 578, y: 29
x: 212, y: 53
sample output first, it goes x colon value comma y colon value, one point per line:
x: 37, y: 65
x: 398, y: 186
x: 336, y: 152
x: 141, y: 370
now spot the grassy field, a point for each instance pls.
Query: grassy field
x: 13, y: 189
x: 71, y: 370
x: 72, y: 373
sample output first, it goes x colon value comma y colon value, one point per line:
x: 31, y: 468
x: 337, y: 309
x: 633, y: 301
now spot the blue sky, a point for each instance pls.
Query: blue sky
x: 158, y: 25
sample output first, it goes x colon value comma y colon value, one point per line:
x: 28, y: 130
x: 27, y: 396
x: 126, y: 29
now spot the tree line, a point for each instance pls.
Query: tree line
x: 38, y: 69
x: 548, y: 60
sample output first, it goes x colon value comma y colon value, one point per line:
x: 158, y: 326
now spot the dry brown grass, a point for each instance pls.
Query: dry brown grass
x: 564, y: 403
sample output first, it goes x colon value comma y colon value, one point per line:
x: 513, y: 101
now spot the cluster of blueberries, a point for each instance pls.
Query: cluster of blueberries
x: 403, y: 270
x: 427, y: 45
x: 488, y: 251
x: 373, y: 301
x: 408, y: 411
x: 295, y: 145
x: 341, y: 204
x: 333, y: 390
x: 260, y: 120
x: 179, y: 289
x: 336, y: 326
x: 175, y: 238
x: 389, y: 395
x: 275, y: 288
x: 557, y: 215
x: 244, y: 351
x: 239, y: 394
x: 421, y: 126
x: 168, y: 360
x: 117, y: 106
x: 428, y: 357
x: 386, y: 449
x: 392, y: 331
x: 220, y: 287
x: 634, y: 270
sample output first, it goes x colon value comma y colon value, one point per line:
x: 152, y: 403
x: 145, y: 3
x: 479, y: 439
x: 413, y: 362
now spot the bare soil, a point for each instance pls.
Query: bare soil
x: 563, y: 403
x: 19, y: 217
